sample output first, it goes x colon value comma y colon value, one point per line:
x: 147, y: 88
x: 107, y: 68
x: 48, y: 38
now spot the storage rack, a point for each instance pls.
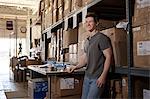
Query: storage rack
x: 122, y: 9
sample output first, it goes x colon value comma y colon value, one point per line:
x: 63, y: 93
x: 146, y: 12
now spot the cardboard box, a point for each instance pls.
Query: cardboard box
x: 82, y: 33
x: 115, y: 34
x: 60, y: 13
x: 120, y: 53
x: 76, y: 4
x: 48, y: 17
x: 43, y: 21
x: 60, y: 3
x: 33, y: 62
x: 140, y: 18
x: 70, y: 37
x: 55, y: 4
x: 73, y: 48
x: 141, y: 43
x: 82, y: 36
x: 66, y: 86
x: 42, y: 5
x: 139, y: 84
x: 37, y: 88
x: 105, y: 24
x: 67, y: 6
x: 146, y: 94
x: 86, y: 2
x: 80, y: 50
x: 118, y: 39
x: 47, y: 4
x: 64, y: 58
x: 55, y: 15
x: 115, y: 88
x: 73, y: 58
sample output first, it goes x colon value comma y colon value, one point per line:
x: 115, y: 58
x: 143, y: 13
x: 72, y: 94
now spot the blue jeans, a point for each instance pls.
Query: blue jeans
x: 90, y: 89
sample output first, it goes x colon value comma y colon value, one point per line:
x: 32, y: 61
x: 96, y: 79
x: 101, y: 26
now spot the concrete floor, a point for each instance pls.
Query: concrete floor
x: 7, y: 85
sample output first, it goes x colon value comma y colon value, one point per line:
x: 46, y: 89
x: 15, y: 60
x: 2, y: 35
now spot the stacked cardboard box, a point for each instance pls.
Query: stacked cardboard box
x: 139, y: 84
x: 141, y: 33
x: 140, y: 17
x: 52, y: 47
x: 64, y: 57
x: 82, y: 35
x: 58, y: 45
x: 66, y: 86
x: 55, y: 15
x: 73, y: 56
x: 47, y: 4
x: 118, y: 39
x: 141, y: 43
x: 70, y: 37
x: 42, y: 5
x: 119, y: 88
x: 60, y: 9
x: 55, y: 11
x: 115, y: 88
x: 67, y: 6
x: 76, y: 4
x: 60, y: 13
x: 86, y: 2
x: 48, y: 17
x: 60, y: 3
x: 43, y: 21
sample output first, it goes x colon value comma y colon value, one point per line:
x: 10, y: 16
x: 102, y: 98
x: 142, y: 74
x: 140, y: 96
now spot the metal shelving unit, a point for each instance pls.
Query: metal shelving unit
x: 122, y: 9
x: 143, y: 72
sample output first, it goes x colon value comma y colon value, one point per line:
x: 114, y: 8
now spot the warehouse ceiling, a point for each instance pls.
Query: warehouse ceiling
x: 17, y: 8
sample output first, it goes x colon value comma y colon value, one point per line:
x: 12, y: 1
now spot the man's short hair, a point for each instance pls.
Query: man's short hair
x: 92, y: 14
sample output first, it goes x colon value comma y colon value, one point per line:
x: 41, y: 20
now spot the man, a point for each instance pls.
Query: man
x: 96, y: 58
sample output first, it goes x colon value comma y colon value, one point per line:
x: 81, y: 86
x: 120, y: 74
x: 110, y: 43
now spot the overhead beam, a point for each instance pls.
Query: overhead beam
x: 10, y: 16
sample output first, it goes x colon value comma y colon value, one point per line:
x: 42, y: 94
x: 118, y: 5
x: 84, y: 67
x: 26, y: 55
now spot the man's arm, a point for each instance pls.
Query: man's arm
x: 108, y: 54
x: 82, y: 63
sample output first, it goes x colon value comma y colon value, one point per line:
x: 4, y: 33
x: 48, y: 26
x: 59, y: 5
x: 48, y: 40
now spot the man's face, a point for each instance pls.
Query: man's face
x: 90, y: 24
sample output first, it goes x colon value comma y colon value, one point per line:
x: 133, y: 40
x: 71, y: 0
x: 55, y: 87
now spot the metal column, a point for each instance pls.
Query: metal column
x: 129, y: 44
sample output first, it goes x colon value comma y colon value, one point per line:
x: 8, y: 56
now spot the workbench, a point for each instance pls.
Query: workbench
x: 54, y: 90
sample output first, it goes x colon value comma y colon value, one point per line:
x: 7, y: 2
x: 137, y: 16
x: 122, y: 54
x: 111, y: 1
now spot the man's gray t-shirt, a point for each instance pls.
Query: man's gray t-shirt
x: 95, y: 58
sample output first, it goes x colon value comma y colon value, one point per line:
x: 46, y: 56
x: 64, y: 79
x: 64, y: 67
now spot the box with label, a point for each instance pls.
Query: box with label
x: 146, y: 94
x: 37, y: 88
x: 66, y: 86
x: 141, y: 46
